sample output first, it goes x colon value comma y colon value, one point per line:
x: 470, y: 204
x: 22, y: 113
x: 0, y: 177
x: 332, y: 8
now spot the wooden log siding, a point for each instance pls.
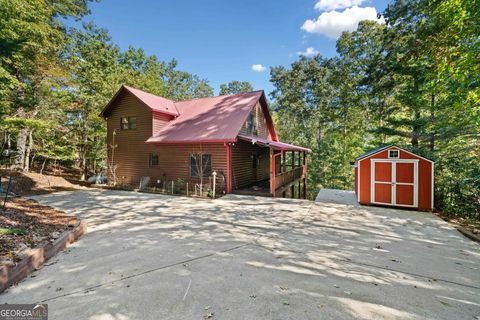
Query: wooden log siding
x: 158, y: 121
x: 261, y: 123
x: 132, y: 154
x: 242, y: 169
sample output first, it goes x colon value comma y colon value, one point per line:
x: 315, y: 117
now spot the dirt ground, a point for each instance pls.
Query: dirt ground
x: 24, y: 223
x: 32, y: 183
x: 34, y: 223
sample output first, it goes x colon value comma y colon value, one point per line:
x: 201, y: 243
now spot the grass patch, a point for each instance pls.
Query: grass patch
x: 6, y: 231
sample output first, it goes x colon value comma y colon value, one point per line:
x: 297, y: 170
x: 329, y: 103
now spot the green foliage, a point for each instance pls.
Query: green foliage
x: 6, y: 231
x: 235, y: 86
x: 413, y: 82
x: 30, y: 36
x: 314, y: 108
x: 12, y: 124
x: 54, y: 82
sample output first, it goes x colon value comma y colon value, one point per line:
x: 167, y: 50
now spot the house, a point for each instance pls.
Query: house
x: 394, y: 176
x: 157, y: 140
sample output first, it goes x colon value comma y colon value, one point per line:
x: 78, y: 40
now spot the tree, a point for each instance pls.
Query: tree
x: 98, y: 68
x: 315, y: 108
x: 235, y: 86
x: 31, y: 37
x: 96, y: 74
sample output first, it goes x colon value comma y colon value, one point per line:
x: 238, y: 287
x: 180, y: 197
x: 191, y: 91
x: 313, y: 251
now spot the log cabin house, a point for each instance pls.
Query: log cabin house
x: 234, y: 136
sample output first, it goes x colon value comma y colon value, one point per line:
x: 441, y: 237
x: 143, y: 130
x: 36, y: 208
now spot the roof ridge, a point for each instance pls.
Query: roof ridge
x: 128, y: 88
x: 172, y: 101
x: 223, y: 95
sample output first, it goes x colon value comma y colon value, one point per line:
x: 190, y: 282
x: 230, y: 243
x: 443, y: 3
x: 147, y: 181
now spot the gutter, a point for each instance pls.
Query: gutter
x: 189, y: 141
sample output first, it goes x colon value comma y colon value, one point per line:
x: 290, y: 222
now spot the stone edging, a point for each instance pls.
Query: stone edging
x: 469, y: 234
x: 38, y: 256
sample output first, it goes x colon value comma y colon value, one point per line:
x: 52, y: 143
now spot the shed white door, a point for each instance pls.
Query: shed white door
x: 394, y: 182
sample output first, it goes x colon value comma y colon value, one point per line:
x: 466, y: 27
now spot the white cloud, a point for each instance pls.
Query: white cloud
x: 310, y: 52
x: 329, y: 5
x: 333, y: 23
x: 258, y: 68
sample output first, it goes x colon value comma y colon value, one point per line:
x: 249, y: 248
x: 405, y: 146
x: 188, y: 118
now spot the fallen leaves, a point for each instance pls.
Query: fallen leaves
x: 41, y: 224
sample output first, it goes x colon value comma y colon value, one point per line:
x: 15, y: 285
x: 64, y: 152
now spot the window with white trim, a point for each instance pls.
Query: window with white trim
x: 394, y: 154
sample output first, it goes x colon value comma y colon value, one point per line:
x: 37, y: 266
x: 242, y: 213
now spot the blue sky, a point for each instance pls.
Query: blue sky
x: 221, y: 40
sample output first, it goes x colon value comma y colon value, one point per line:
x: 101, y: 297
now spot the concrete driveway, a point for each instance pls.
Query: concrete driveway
x: 158, y: 257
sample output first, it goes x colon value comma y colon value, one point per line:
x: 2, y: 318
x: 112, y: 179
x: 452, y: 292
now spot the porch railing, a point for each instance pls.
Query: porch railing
x: 284, y: 178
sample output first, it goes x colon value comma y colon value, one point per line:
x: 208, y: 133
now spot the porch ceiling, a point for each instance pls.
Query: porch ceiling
x: 274, y: 144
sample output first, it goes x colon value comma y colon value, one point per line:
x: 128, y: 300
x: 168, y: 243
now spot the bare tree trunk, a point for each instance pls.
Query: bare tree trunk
x: 432, y: 118
x: 83, y: 158
x: 21, y: 149
x: 415, y: 131
x: 43, y: 165
x: 4, y: 142
x: 28, y: 150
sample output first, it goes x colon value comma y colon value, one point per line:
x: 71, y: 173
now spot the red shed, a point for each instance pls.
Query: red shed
x: 393, y: 176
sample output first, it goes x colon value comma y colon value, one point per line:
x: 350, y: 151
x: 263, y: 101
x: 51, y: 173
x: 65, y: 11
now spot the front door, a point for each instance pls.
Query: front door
x: 394, y: 182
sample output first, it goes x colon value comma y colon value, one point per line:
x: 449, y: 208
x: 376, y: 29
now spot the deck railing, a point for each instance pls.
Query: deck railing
x: 288, y: 176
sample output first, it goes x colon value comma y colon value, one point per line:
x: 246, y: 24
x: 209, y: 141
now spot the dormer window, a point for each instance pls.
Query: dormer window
x: 128, y: 123
x: 394, y: 154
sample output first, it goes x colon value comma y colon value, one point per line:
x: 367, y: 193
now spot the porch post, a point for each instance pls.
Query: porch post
x: 304, y: 175
x: 229, y: 174
x: 292, y: 187
x: 284, y: 159
x: 272, y: 173
x: 299, y: 180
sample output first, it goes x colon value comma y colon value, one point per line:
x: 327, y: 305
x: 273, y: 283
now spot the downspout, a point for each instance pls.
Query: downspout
x: 229, y: 160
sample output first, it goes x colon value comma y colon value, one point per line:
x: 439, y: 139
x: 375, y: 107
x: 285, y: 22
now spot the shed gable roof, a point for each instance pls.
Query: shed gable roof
x: 380, y: 149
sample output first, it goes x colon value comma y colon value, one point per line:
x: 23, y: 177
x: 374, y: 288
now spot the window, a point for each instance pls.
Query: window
x: 153, y: 160
x: 252, y: 123
x: 393, y: 154
x: 200, y: 165
x: 128, y: 123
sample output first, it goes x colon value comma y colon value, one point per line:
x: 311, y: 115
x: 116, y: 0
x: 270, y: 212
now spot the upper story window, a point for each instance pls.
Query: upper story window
x: 128, y: 123
x: 393, y: 154
x: 252, y: 123
x: 154, y: 160
x: 200, y: 165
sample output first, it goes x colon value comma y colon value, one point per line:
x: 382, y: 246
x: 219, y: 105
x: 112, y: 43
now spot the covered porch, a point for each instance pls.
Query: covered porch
x: 284, y: 169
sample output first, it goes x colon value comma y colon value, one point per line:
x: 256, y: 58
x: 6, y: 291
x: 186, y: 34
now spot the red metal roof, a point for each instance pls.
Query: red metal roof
x: 212, y: 119
x: 155, y: 103
x: 274, y: 144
